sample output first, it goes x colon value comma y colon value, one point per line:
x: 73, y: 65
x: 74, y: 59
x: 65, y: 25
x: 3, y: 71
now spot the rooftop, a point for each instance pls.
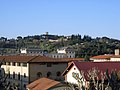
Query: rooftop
x: 42, y: 84
x: 102, y: 57
x: 101, y: 66
x: 29, y: 59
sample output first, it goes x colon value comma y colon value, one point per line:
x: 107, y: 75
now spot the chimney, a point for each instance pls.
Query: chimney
x: 117, y: 52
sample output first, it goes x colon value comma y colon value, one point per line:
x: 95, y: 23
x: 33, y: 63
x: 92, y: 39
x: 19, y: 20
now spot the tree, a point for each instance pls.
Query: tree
x: 87, y: 58
x: 113, y: 80
x: 3, y: 84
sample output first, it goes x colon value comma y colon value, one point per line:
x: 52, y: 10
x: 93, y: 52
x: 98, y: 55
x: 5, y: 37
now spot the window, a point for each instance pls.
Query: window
x: 55, y: 63
x: 49, y: 74
x: 49, y: 64
x: 4, y: 63
x: 13, y: 75
x: 18, y: 64
x: 24, y: 64
x: 8, y: 74
x: 19, y: 76
x: 13, y: 63
x: 24, y: 85
x: 7, y: 63
x: 39, y: 74
x: 58, y: 73
x: 74, y: 68
x: 24, y: 75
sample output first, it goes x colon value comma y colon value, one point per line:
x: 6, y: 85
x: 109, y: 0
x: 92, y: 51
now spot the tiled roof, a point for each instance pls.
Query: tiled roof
x: 31, y: 59
x: 47, y: 59
x: 42, y: 84
x: 116, y: 56
x: 74, y: 59
x: 17, y: 58
x: 86, y: 66
x: 102, y: 57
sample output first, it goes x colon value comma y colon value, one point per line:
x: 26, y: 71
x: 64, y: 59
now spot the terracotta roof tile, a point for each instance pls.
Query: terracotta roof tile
x: 31, y: 59
x: 102, y: 57
x: 115, y: 56
x: 74, y: 59
x: 47, y: 59
x: 17, y: 58
x: 42, y: 84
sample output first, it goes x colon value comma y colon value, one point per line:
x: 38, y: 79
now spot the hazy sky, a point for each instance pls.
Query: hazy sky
x: 95, y: 18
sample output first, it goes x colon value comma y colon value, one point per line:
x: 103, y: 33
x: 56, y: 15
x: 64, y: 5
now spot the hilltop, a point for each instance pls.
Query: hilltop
x: 85, y: 45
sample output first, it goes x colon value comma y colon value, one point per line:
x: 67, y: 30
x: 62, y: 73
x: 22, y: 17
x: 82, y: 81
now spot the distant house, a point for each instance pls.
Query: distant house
x: 101, y: 58
x: 78, y: 72
x: 22, y: 70
x: 33, y: 51
x: 61, y: 55
x: 47, y: 84
x: 107, y: 57
x: 48, y: 36
x: 115, y: 58
x: 63, y: 52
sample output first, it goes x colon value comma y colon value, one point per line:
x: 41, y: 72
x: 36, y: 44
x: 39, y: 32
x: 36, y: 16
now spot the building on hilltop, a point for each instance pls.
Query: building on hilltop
x: 63, y: 52
x: 33, y: 51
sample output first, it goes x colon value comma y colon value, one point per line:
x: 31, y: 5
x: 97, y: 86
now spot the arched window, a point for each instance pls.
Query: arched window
x: 19, y: 76
x: 8, y: 74
x: 13, y: 75
x: 39, y: 74
x: 58, y: 73
x: 49, y: 74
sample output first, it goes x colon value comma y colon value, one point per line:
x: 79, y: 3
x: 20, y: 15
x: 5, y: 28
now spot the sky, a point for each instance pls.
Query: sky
x: 96, y: 18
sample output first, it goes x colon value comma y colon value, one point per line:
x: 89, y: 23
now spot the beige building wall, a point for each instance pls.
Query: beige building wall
x: 44, y: 69
x: 115, y: 59
x: 23, y: 71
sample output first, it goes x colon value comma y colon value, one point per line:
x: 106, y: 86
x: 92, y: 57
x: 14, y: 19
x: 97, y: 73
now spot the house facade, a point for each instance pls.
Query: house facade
x: 61, y: 55
x: 101, y: 58
x: 79, y: 73
x: 33, y: 51
x: 105, y: 58
x: 63, y: 52
x: 22, y: 70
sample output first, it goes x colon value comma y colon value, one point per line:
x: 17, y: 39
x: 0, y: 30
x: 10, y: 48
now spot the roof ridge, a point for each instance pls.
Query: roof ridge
x: 32, y: 59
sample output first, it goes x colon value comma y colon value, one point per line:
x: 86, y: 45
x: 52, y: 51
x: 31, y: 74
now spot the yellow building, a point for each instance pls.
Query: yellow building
x: 22, y: 70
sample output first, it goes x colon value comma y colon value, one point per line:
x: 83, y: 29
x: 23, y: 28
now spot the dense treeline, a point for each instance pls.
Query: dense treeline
x: 85, y: 45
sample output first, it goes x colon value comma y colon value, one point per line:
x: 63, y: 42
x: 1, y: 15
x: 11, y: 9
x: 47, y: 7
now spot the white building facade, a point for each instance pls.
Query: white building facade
x: 33, y: 51
x: 63, y: 52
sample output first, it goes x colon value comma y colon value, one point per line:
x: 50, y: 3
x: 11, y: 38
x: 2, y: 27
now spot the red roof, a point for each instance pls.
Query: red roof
x: 17, y: 58
x: 102, y: 57
x: 116, y: 56
x: 74, y: 59
x: 29, y: 59
x: 86, y: 66
x: 42, y: 84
